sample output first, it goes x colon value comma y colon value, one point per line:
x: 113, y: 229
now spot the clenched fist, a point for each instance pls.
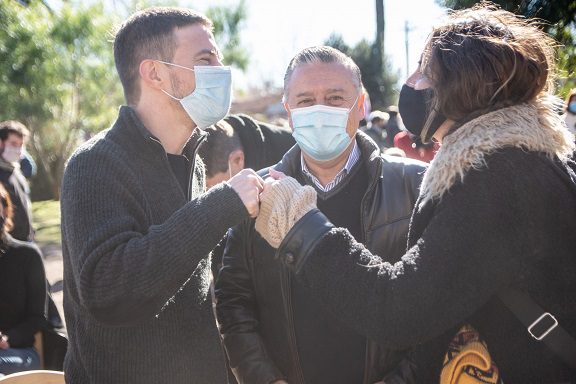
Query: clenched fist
x: 248, y: 186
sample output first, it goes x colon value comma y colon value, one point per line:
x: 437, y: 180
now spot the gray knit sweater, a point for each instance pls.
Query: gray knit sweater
x: 136, y: 265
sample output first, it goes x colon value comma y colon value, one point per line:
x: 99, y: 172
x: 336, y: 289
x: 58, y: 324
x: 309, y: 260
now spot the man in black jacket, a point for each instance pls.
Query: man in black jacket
x: 137, y: 226
x: 273, y: 328
x: 13, y: 135
x: 240, y: 142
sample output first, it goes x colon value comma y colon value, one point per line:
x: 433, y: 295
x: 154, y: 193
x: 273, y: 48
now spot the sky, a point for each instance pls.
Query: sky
x: 276, y: 30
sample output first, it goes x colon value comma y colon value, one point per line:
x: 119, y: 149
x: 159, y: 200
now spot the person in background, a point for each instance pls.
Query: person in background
x: 137, y: 226
x: 22, y: 296
x: 238, y: 142
x: 375, y: 128
x: 492, y: 238
x: 392, y: 126
x: 13, y: 136
x: 570, y: 111
x: 414, y: 148
x: 27, y: 164
x: 274, y: 329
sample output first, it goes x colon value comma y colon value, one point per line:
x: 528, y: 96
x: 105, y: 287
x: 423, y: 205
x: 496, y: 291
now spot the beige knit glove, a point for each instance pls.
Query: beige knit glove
x: 282, y: 203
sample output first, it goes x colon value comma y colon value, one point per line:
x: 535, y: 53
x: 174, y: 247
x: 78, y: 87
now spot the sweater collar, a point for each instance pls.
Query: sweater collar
x: 533, y: 127
x: 131, y: 119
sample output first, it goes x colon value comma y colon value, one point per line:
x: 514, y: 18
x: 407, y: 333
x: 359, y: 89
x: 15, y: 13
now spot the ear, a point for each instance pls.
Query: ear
x: 361, y: 106
x: 153, y: 75
x: 236, y: 161
x: 287, y: 108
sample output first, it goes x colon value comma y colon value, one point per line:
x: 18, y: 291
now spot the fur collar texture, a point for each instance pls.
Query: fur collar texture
x: 530, y: 126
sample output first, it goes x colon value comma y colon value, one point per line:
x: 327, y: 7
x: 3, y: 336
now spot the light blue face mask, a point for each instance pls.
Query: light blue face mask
x: 572, y: 107
x: 320, y: 130
x: 211, y: 99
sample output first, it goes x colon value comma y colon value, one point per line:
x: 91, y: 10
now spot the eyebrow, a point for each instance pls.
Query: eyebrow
x: 331, y: 90
x: 214, y: 52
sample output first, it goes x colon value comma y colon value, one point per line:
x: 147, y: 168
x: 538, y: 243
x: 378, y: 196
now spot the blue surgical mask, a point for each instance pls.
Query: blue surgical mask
x: 572, y: 107
x: 320, y: 130
x: 211, y: 99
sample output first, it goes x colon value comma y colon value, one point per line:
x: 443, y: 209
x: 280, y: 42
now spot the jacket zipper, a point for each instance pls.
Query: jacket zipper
x: 286, y: 284
x: 367, y: 361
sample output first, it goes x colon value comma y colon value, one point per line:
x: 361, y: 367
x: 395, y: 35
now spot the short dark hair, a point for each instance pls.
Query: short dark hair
x: 322, y: 54
x: 148, y: 34
x: 221, y: 141
x: 13, y: 127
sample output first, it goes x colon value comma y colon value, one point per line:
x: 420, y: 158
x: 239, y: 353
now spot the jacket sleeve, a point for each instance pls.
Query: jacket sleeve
x: 475, y: 243
x: 125, y: 269
x: 236, y: 310
x: 22, y: 335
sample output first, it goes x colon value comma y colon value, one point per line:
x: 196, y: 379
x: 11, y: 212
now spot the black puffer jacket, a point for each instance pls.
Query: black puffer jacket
x: 253, y: 295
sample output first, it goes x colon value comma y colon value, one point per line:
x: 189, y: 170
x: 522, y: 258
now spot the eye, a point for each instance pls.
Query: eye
x: 305, y: 102
x: 335, y: 100
x: 204, y: 61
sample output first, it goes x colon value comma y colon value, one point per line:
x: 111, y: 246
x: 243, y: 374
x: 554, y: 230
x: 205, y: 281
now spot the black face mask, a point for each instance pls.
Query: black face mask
x: 414, y: 109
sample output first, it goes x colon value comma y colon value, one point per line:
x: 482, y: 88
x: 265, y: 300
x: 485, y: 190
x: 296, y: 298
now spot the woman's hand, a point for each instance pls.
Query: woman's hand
x: 282, y: 203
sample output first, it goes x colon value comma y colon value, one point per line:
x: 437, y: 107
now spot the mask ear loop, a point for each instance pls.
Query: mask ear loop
x: 178, y: 66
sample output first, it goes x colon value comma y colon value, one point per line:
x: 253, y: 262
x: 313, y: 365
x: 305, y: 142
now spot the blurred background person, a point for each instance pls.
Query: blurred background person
x: 392, y: 126
x: 570, y: 111
x: 27, y: 164
x: 238, y: 142
x: 13, y: 135
x: 414, y: 148
x: 22, y: 296
x: 375, y: 128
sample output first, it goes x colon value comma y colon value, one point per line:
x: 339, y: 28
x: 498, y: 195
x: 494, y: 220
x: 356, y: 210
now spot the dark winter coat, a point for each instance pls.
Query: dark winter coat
x: 497, y: 209
x: 254, y: 304
x: 22, y: 292
x: 19, y: 190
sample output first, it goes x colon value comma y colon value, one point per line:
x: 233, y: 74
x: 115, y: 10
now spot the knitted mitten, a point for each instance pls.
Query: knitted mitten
x: 282, y: 204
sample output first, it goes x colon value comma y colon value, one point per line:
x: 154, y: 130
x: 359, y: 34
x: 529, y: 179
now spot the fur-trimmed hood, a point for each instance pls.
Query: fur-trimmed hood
x: 530, y: 126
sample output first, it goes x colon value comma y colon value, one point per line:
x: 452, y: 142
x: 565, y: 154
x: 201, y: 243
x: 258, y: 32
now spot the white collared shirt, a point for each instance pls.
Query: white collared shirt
x: 352, y: 160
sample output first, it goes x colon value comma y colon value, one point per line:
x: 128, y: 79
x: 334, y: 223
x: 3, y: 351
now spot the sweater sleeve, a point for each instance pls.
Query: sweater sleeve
x: 236, y: 310
x: 472, y: 246
x: 22, y: 335
x: 125, y: 269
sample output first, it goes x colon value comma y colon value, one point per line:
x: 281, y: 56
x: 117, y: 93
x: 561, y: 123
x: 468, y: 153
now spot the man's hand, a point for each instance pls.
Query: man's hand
x: 248, y: 186
x: 280, y: 382
x: 4, y: 341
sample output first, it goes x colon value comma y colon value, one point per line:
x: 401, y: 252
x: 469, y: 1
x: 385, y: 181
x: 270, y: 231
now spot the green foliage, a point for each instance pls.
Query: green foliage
x: 227, y: 26
x: 377, y: 75
x: 57, y: 73
x: 46, y: 222
x: 559, y: 20
x: 58, y: 78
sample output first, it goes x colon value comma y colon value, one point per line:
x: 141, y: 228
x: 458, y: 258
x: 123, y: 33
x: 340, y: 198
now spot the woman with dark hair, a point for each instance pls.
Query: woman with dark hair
x: 22, y: 296
x: 495, y: 224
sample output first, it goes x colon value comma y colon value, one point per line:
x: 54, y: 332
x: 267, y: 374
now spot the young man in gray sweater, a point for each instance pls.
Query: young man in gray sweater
x: 137, y: 228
